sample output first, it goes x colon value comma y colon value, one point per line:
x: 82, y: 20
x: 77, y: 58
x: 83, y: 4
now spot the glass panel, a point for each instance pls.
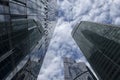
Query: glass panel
x: 32, y: 4
x: 5, y: 67
x: 19, y: 25
x: 2, y: 18
x: 23, y: 1
x: 1, y: 8
x: 4, y: 47
x: 17, y: 9
x: 4, y: 40
x: 98, y: 41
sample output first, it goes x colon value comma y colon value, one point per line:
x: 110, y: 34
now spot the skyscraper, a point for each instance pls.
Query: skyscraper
x: 77, y: 71
x: 26, y: 27
x: 100, y: 43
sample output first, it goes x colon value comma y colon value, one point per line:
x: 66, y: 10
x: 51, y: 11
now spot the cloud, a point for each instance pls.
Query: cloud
x: 70, y: 13
x: 104, y: 11
x: 61, y: 45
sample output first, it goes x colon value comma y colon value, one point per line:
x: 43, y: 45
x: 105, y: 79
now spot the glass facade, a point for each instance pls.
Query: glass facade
x: 101, y: 45
x: 25, y: 33
x: 77, y: 71
x: 30, y: 71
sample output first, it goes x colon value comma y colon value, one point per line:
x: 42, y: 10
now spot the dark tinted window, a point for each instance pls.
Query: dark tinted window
x: 5, y: 67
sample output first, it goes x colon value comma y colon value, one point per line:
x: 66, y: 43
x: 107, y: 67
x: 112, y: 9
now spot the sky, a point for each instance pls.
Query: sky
x: 69, y: 13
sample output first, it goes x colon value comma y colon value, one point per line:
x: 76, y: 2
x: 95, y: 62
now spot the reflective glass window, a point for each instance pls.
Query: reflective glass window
x: 17, y: 9
x: 5, y: 67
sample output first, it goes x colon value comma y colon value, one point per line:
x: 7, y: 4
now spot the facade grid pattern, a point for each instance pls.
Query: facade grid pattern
x: 101, y: 45
x: 25, y: 29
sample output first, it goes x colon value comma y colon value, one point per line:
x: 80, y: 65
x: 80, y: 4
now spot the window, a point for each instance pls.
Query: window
x: 5, y: 67
x: 17, y: 9
x: 89, y: 78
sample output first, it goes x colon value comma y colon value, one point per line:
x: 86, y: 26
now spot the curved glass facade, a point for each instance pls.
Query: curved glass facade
x: 101, y: 45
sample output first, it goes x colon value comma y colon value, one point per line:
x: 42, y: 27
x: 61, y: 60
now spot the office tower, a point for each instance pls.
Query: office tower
x: 77, y: 71
x: 100, y: 43
x: 25, y: 33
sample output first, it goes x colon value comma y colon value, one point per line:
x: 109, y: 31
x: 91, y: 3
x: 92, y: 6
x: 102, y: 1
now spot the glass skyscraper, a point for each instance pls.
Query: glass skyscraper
x: 26, y: 27
x: 100, y: 43
x: 77, y: 71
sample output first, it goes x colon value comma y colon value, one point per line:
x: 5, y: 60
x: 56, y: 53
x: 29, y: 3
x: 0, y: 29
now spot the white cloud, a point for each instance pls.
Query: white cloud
x: 62, y: 44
